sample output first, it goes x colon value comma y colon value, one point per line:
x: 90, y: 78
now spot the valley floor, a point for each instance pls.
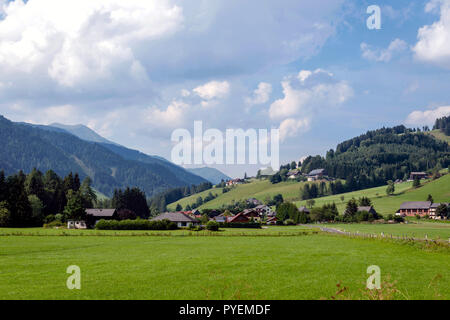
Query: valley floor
x: 273, y: 263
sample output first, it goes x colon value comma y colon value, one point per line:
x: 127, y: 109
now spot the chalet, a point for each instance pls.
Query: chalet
x: 239, y: 218
x: 234, y: 182
x: 252, y: 214
x: 317, y: 174
x: 181, y: 219
x: 253, y: 201
x: 413, y: 208
x: 293, y: 174
x: 418, y: 175
x: 264, y: 210
x: 94, y: 215
x: 220, y: 218
x: 272, y: 221
x: 304, y: 209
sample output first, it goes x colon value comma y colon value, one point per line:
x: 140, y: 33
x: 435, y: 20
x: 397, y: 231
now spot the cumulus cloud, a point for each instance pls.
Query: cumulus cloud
x: 291, y: 127
x: 383, y: 55
x: 171, y: 117
x: 433, y: 43
x: 427, y: 117
x: 302, y: 98
x: 261, y: 94
x: 305, y: 95
x: 73, y: 42
x: 213, y: 90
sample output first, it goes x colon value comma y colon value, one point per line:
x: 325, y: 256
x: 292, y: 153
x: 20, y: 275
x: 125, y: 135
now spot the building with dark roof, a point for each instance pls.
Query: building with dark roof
x: 413, y: 208
x: 181, y: 219
x: 316, y: 174
x: 94, y: 215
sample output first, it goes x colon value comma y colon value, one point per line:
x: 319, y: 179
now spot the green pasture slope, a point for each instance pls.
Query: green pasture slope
x: 439, y: 189
x: 215, y: 267
x: 259, y: 189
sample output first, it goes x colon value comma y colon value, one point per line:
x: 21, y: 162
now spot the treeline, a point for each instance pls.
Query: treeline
x: 372, y: 159
x: 443, y: 124
x: 159, y: 202
x: 30, y: 200
x: 322, y: 189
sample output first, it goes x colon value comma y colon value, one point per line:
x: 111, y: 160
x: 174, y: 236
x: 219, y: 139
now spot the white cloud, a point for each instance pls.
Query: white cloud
x: 383, y: 55
x: 261, y: 94
x: 172, y: 117
x: 308, y: 98
x: 84, y: 40
x: 427, y: 117
x: 291, y: 127
x: 213, y: 90
x: 433, y: 44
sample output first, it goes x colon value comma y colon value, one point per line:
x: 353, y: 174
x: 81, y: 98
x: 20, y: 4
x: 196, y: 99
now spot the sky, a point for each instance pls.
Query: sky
x: 136, y: 70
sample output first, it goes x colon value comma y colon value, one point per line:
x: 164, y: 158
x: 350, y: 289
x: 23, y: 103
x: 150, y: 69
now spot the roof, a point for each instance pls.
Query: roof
x: 303, y: 209
x: 100, y: 212
x: 174, y: 217
x: 423, y: 173
x: 436, y: 205
x: 238, y: 216
x: 367, y: 208
x: 416, y: 205
x: 316, y: 172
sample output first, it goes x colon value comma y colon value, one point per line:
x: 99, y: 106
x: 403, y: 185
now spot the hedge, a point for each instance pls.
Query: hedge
x: 135, y: 225
x: 250, y: 225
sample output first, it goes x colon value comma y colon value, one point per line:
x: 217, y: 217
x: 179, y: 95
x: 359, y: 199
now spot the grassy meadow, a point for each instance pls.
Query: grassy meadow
x: 274, y: 266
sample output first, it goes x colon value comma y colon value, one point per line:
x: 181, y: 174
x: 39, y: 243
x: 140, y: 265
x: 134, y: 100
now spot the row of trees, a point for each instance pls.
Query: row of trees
x: 443, y: 124
x: 29, y: 200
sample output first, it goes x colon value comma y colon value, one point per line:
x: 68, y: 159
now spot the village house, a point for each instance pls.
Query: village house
x: 293, y: 174
x: 94, y: 215
x: 304, y: 209
x: 272, y: 221
x: 239, y: 218
x: 234, y: 182
x: 253, y: 201
x: 433, y: 209
x: 368, y: 209
x: 317, y: 174
x: 181, y: 219
x: 264, y: 210
x: 413, y: 208
x: 418, y: 175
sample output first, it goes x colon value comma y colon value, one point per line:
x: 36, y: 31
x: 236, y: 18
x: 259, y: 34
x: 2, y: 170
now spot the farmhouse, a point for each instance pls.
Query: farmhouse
x: 264, y: 210
x: 293, y: 174
x: 418, y: 175
x: 253, y: 201
x: 234, y: 182
x: 304, y: 209
x: 317, y: 174
x: 239, y: 218
x: 181, y: 219
x: 272, y: 221
x: 368, y: 209
x: 413, y: 208
x: 94, y: 215
x: 433, y: 209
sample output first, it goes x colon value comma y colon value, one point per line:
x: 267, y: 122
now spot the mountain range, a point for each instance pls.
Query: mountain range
x: 65, y: 149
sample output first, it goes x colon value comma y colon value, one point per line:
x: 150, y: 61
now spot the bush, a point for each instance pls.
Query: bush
x: 49, y: 218
x: 59, y: 217
x: 289, y: 222
x: 399, y: 219
x: 54, y: 224
x: 212, y: 226
x: 138, y: 224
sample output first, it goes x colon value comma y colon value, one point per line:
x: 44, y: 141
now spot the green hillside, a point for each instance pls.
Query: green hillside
x: 259, y: 189
x: 438, y: 134
x: 439, y: 189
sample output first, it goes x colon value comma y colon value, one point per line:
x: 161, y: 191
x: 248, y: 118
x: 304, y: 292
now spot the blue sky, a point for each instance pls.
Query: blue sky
x: 134, y: 71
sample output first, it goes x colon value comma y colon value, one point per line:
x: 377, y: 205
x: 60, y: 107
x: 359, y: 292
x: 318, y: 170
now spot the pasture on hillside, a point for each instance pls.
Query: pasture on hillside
x: 217, y: 267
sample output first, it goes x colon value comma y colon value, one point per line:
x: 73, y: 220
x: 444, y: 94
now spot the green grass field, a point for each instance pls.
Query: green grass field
x: 226, y: 267
x: 416, y: 229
